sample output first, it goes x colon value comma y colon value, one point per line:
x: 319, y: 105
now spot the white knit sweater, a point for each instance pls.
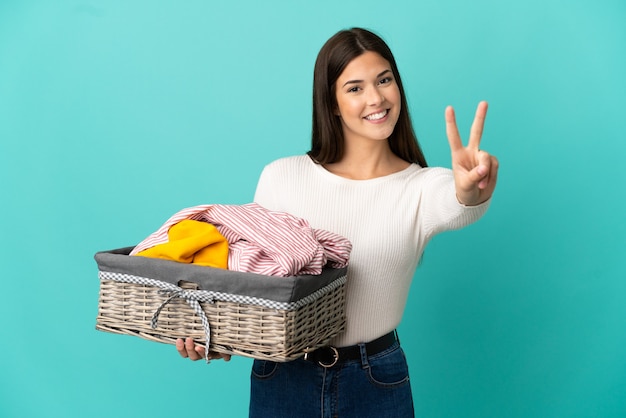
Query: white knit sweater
x: 389, y: 221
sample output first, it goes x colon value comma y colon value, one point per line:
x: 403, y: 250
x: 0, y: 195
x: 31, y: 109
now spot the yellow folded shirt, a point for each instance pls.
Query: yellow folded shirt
x: 192, y: 242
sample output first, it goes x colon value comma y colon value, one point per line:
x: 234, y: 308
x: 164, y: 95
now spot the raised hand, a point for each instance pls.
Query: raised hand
x: 475, y: 171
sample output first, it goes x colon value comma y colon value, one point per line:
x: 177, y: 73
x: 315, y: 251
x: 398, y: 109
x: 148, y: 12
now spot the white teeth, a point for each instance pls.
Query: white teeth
x: 377, y: 116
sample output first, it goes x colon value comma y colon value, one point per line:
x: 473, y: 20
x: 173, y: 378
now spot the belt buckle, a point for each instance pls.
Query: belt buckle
x: 334, y: 361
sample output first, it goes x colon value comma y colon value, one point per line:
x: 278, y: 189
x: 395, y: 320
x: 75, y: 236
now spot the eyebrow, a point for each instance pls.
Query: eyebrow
x: 360, y: 81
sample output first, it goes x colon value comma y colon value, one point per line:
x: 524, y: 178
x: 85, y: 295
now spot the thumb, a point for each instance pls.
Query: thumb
x: 478, y: 173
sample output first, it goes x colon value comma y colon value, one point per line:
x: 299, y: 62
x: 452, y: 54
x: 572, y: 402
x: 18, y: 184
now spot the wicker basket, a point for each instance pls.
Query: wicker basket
x: 308, y: 313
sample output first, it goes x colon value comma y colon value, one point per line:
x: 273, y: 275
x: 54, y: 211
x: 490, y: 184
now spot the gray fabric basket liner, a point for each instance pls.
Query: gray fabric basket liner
x: 279, y: 289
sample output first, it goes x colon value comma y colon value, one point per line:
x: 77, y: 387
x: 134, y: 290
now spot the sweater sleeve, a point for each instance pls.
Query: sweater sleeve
x: 441, y: 209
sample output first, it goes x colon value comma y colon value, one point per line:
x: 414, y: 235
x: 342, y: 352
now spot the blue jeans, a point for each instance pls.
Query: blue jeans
x: 375, y: 386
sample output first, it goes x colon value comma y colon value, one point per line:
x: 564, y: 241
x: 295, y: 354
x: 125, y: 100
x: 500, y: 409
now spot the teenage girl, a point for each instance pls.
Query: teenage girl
x: 366, y: 179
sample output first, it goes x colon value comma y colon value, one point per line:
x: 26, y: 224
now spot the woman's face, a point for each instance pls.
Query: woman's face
x: 368, y: 98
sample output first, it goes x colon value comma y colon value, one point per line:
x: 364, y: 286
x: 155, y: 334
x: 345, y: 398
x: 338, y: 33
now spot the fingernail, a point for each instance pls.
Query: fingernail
x: 482, y: 170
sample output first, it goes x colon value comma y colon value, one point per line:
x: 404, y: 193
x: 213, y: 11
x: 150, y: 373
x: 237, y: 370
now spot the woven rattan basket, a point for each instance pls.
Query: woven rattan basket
x: 245, y: 314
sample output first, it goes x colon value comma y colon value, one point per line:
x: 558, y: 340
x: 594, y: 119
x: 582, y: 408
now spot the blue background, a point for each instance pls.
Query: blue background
x: 116, y: 114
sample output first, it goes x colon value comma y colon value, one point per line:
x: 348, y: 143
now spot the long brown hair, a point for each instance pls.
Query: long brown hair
x: 327, y: 141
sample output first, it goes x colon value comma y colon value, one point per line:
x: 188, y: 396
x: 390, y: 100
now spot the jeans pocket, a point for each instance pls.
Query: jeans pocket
x: 263, y: 369
x: 389, y: 370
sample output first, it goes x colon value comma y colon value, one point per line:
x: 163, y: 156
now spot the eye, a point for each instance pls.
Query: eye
x: 354, y: 89
x: 386, y: 80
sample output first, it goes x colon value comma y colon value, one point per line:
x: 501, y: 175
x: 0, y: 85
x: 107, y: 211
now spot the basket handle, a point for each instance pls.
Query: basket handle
x: 187, y: 285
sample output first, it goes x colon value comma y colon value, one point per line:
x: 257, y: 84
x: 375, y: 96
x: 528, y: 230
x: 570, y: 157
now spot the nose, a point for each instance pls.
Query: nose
x: 374, y: 97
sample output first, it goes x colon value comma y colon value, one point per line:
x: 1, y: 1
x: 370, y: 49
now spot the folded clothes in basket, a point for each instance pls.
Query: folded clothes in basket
x: 192, y: 242
x: 262, y: 241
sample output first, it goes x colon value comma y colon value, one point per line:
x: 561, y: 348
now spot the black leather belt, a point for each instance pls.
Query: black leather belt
x: 330, y: 356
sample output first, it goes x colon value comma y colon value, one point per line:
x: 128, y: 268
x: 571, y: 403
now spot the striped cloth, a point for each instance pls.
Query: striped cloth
x: 263, y: 241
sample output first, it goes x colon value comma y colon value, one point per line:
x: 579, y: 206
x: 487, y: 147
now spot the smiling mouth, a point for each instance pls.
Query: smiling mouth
x: 377, y: 116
